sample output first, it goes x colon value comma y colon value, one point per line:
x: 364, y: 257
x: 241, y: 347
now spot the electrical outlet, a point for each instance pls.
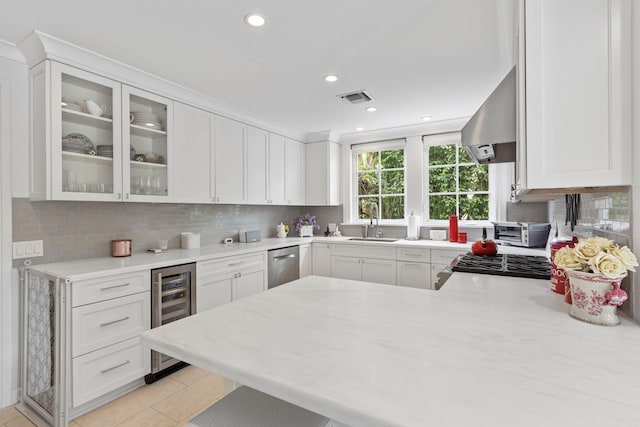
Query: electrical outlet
x: 30, y: 249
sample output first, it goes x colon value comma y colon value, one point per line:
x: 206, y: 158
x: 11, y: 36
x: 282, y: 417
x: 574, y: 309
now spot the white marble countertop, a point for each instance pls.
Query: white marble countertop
x: 97, y: 267
x: 484, y: 351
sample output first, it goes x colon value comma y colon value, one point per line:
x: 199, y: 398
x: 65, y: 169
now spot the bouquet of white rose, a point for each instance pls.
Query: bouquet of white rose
x: 597, y: 255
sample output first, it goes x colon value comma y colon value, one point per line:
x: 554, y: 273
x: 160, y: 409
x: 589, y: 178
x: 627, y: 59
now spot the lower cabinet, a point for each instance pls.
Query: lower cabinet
x: 414, y: 274
x: 321, y: 256
x: 306, y: 260
x: 373, y: 264
x: 223, y: 280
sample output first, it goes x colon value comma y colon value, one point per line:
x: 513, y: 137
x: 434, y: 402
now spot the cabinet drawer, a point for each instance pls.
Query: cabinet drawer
x: 414, y: 254
x: 440, y: 256
x: 235, y: 263
x: 104, y: 288
x: 102, y: 371
x: 104, y: 323
x: 381, y: 251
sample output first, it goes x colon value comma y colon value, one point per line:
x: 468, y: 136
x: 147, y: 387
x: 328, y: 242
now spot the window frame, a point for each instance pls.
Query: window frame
x: 355, y: 197
x: 450, y: 138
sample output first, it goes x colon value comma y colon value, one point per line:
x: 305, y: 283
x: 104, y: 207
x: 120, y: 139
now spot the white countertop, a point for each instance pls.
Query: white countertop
x: 97, y: 267
x: 484, y: 351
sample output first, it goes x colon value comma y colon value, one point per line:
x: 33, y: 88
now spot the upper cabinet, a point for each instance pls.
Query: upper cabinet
x: 229, y: 161
x: 574, y: 78
x: 193, y: 142
x: 322, y: 173
x: 86, y: 143
x: 294, y: 157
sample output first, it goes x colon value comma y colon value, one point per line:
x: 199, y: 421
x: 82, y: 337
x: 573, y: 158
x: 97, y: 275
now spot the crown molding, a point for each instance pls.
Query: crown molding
x: 39, y: 46
x: 10, y: 51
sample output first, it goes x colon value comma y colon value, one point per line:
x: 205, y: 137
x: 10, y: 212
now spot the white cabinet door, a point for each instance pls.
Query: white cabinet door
x: 229, y: 175
x: 213, y: 291
x: 294, y: 172
x: 379, y: 271
x: 248, y: 283
x: 305, y: 261
x: 577, y: 98
x: 322, y: 171
x: 191, y: 154
x: 321, y: 255
x: 257, y: 164
x: 344, y: 267
x: 414, y: 274
x: 276, y: 169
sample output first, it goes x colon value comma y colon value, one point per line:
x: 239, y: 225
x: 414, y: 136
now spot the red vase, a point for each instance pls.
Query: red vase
x: 453, y: 228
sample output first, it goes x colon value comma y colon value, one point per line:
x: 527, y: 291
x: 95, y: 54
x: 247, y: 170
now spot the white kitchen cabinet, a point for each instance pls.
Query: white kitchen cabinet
x: 193, y: 138
x: 294, y: 172
x: 368, y: 263
x: 276, y: 169
x: 223, y: 280
x: 229, y: 175
x: 306, y: 261
x: 73, y: 171
x: 147, y: 129
x: 257, y: 165
x: 576, y: 57
x: 321, y: 256
x: 322, y: 173
x: 414, y: 274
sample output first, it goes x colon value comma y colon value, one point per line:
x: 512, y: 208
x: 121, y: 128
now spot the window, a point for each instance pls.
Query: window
x: 455, y: 185
x: 380, y: 179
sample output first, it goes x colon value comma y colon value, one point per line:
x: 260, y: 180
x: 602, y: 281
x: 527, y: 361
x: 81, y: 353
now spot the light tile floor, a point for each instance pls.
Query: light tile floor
x: 171, y: 401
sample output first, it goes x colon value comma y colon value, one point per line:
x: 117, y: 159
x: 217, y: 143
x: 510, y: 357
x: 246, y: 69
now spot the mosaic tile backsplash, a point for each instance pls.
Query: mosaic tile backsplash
x: 78, y: 230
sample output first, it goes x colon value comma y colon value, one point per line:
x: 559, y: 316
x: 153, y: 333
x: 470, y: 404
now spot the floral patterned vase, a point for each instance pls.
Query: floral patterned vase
x: 306, y: 230
x: 595, y: 297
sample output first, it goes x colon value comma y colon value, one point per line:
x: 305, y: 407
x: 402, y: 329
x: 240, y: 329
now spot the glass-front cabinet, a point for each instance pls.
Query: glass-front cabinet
x: 146, y: 144
x: 86, y: 136
x: 97, y: 139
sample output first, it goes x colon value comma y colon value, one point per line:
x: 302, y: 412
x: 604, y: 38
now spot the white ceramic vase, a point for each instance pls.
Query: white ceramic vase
x: 306, y: 230
x: 595, y: 298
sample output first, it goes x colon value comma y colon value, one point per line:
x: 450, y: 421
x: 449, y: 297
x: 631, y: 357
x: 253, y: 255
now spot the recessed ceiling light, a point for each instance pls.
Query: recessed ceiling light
x: 330, y: 78
x: 254, y: 20
x: 359, y: 128
x: 426, y: 118
x: 371, y: 109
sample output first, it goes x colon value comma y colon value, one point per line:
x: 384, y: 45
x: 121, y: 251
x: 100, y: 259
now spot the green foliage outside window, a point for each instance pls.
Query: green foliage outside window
x: 456, y: 185
x: 381, y: 181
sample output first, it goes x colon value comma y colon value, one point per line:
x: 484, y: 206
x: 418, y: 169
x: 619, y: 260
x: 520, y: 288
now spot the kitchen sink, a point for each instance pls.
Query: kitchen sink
x: 373, y: 239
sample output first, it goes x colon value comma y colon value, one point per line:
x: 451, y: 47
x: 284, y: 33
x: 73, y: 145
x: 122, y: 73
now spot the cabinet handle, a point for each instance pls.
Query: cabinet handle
x: 104, y: 371
x: 412, y: 264
x: 231, y: 264
x: 114, y: 321
x: 239, y: 274
x: 119, y: 196
x: 414, y: 255
x: 115, y: 286
x: 126, y: 196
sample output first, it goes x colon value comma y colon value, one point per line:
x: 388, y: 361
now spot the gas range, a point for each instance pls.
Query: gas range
x: 528, y: 266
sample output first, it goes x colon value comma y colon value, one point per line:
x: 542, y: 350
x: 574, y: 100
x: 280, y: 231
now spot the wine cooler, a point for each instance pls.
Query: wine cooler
x: 173, y: 297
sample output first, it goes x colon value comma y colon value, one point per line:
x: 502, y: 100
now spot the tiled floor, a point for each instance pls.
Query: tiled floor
x: 171, y: 401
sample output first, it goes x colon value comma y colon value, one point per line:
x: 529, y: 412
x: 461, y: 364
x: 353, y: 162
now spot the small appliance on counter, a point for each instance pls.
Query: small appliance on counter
x: 249, y: 236
x: 525, y: 234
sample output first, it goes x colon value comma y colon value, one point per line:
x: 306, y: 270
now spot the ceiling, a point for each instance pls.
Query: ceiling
x: 438, y: 58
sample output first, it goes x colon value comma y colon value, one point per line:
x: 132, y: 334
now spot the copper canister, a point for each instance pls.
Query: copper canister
x: 121, y: 247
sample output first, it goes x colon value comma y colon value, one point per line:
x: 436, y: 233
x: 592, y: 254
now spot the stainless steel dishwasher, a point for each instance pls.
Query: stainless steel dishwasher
x: 283, y: 266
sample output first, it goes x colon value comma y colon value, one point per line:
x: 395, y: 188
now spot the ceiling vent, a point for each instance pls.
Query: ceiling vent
x: 356, y: 97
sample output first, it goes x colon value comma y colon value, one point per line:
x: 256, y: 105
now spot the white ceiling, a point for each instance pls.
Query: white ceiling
x: 415, y: 57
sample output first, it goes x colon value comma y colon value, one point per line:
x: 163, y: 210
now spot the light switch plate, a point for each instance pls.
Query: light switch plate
x: 30, y: 249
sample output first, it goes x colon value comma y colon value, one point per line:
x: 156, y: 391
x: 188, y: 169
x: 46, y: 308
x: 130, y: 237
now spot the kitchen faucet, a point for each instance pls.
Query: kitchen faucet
x: 374, y: 207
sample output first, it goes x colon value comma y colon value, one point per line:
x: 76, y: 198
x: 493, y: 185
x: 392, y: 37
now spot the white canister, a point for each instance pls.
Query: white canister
x: 189, y: 240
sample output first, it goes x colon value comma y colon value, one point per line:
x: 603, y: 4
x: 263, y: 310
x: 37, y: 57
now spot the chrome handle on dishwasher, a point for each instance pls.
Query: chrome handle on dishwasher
x: 115, y: 286
x: 104, y: 371
x: 278, y: 258
x: 114, y: 321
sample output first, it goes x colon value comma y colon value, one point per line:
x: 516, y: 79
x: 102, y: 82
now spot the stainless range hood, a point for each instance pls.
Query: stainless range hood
x: 490, y: 135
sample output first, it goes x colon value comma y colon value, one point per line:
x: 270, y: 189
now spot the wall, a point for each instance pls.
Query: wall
x: 77, y: 230
x: 635, y: 79
x: 601, y: 214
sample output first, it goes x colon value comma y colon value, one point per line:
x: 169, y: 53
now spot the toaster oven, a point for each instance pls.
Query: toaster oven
x: 525, y: 234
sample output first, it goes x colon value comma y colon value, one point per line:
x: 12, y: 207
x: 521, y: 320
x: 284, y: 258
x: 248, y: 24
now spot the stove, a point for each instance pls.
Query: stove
x: 533, y: 267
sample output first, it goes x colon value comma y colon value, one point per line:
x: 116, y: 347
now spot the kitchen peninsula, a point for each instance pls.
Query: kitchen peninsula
x: 484, y: 350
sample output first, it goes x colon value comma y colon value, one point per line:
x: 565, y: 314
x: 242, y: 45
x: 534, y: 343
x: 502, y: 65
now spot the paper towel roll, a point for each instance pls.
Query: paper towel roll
x: 413, y: 227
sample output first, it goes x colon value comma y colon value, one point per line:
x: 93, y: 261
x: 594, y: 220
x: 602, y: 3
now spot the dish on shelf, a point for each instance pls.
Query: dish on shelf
x: 153, y: 158
x: 147, y: 124
x: 105, y: 150
x: 71, y: 106
x: 78, y: 143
